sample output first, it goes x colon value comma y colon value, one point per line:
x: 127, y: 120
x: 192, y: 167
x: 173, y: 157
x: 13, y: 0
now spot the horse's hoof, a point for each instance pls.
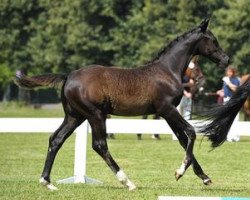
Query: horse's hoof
x: 207, y: 181
x: 47, y: 184
x: 122, y: 177
x: 51, y: 187
x: 131, y: 186
x: 177, y: 175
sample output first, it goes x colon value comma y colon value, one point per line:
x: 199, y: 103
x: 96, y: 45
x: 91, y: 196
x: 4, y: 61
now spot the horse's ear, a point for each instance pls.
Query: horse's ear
x: 204, y: 24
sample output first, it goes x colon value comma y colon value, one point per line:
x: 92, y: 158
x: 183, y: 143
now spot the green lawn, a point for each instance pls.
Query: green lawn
x: 150, y: 165
x: 14, y: 109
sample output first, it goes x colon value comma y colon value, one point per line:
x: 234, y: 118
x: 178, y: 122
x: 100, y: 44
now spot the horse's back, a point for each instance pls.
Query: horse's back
x: 111, y: 78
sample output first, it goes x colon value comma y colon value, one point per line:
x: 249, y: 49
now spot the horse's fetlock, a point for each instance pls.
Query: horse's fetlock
x: 188, y: 160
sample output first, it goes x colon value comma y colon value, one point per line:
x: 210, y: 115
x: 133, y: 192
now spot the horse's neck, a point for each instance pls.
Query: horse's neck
x: 178, y: 56
x: 177, y: 61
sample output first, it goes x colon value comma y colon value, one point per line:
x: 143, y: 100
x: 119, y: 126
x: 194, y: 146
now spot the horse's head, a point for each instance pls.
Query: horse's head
x: 209, y: 47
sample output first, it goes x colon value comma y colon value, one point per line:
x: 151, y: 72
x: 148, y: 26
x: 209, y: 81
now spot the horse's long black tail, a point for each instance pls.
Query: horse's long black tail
x: 223, y: 116
x: 49, y: 80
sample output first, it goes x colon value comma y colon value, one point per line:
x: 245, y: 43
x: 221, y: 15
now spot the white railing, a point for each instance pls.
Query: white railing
x: 121, y: 126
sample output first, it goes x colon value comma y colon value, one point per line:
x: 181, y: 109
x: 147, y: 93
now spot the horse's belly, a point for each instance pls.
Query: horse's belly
x: 131, y: 110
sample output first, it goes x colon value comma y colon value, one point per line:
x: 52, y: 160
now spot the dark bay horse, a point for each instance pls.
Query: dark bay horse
x: 94, y: 92
x: 222, y: 117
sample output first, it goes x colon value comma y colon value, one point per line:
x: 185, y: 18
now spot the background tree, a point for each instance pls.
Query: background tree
x: 15, y: 19
x: 40, y: 36
x: 232, y: 27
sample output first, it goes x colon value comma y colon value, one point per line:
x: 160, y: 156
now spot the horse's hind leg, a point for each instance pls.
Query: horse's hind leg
x: 99, y: 144
x: 56, y: 140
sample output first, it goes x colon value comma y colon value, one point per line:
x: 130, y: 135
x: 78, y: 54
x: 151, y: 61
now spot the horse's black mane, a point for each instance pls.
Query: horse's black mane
x: 171, y: 44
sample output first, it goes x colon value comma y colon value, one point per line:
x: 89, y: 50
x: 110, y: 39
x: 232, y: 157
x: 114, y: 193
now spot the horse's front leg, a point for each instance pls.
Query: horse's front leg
x: 99, y: 144
x: 185, y: 130
x: 55, y: 142
x: 183, y: 139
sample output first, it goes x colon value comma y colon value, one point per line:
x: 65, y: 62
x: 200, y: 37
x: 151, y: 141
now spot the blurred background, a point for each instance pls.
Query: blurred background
x: 41, y: 36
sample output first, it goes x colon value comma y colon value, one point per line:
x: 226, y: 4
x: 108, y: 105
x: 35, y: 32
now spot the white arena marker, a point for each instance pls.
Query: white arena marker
x: 200, y: 198
x: 187, y: 198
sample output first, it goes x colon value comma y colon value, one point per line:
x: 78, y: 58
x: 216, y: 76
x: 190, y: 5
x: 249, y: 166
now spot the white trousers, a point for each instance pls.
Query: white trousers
x: 233, y: 136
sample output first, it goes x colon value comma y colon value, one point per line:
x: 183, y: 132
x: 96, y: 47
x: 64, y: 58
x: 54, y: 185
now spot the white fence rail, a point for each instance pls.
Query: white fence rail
x: 127, y: 126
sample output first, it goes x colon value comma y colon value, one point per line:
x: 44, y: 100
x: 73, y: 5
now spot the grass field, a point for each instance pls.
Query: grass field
x: 150, y: 165
x: 14, y: 109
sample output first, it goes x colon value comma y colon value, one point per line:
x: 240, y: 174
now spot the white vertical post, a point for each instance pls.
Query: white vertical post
x: 80, y: 153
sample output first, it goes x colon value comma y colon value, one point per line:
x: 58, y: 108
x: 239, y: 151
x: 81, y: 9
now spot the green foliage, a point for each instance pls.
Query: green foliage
x: 60, y: 36
x: 232, y: 28
x: 5, y: 76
